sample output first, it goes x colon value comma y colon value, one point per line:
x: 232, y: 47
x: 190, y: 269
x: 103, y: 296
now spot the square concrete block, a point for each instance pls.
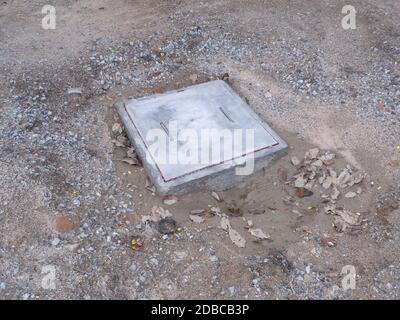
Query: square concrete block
x: 200, y: 137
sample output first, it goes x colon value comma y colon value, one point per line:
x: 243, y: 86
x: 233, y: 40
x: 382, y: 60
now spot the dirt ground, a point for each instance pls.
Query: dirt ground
x: 70, y: 207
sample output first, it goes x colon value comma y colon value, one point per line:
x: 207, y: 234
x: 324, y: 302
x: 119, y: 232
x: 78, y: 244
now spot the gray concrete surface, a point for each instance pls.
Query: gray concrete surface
x: 210, y: 119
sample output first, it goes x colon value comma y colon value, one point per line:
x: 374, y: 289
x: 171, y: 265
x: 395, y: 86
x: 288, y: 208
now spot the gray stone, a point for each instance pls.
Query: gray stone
x: 55, y: 242
x: 213, y: 106
x: 133, y: 268
x: 154, y: 262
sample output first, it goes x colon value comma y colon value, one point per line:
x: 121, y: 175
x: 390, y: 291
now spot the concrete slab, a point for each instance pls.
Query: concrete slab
x: 200, y: 137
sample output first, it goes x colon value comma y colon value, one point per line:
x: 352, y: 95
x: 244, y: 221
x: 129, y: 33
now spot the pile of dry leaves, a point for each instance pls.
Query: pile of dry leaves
x: 315, y: 173
x: 122, y: 141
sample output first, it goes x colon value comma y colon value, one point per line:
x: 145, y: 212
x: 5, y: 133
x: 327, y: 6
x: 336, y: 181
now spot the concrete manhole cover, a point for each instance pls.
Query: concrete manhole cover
x: 197, y: 137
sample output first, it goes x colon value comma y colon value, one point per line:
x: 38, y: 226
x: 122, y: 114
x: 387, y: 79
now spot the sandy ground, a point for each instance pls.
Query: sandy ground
x: 70, y: 208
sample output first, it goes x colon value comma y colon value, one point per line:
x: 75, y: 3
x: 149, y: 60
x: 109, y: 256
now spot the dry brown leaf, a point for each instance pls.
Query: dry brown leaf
x: 225, y: 77
x: 216, y: 211
x: 235, y: 210
x: 327, y: 158
x: 117, y: 143
x: 216, y: 196
x: 327, y: 182
x: 197, y: 211
x: 170, y: 200
x: 295, y: 161
x: 343, y: 178
x: 303, y: 192
x: 339, y: 224
x: 349, y: 217
x: 328, y: 162
x: 312, y: 153
x: 121, y: 138
x: 131, y: 161
x: 225, y: 224
x: 317, y: 163
x: 356, y: 178
x: 236, y: 238
x: 130, y: 153
x: 116, y: 128
x: 160, y: 212
x: 258, y: 233
x: 335, y: 194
